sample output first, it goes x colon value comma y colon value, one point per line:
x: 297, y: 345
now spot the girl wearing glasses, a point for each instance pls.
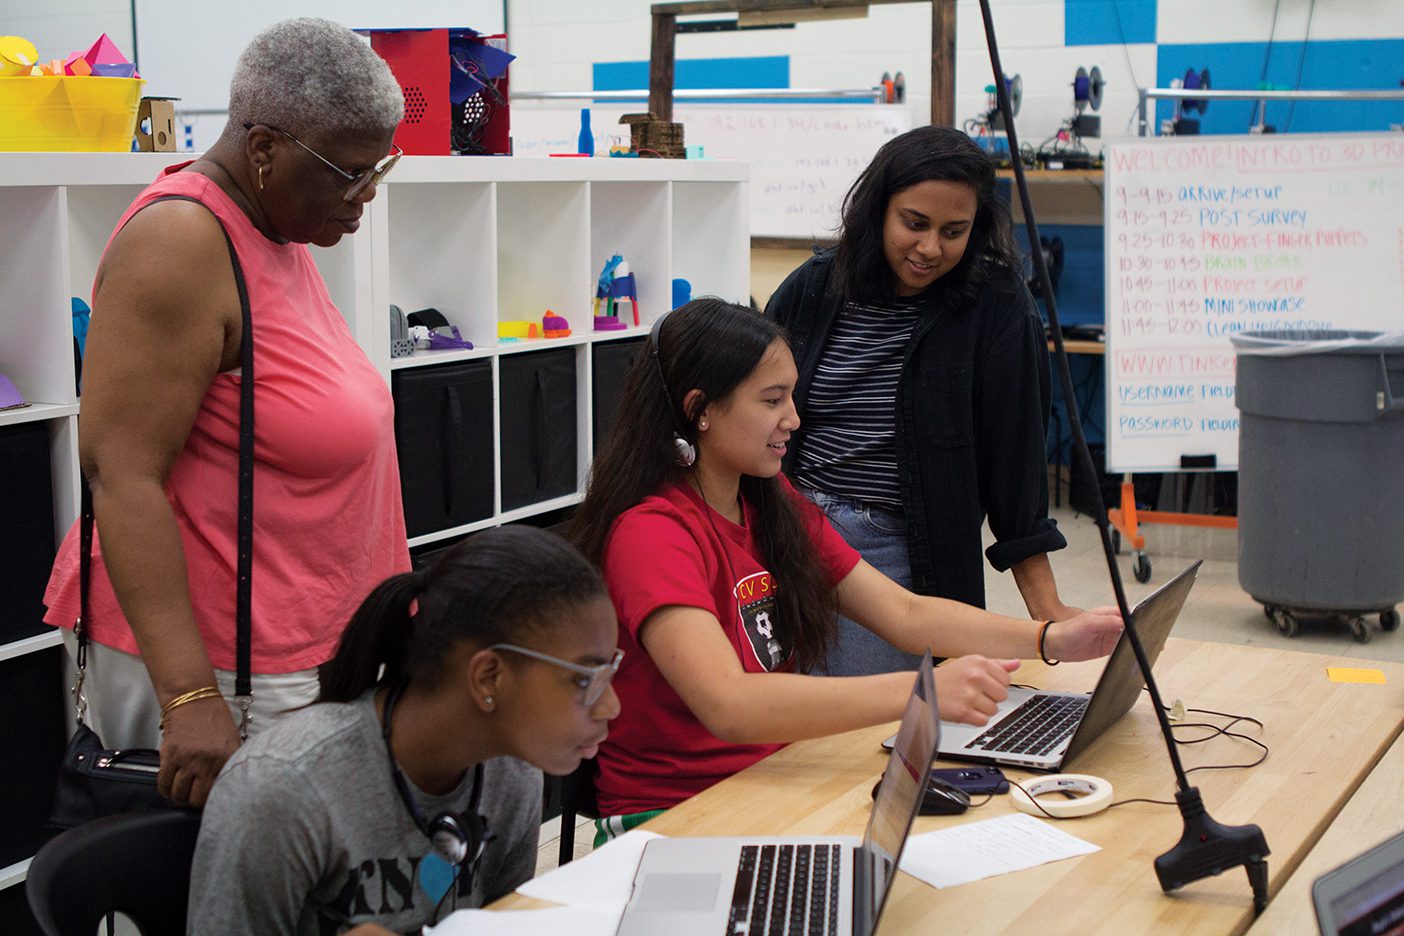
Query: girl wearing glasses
x: 308, y: 137
x: 414, y: 786
x: 726, y: 580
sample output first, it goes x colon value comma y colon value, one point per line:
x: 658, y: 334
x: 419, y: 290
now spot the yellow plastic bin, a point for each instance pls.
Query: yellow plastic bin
x: 64, y: 114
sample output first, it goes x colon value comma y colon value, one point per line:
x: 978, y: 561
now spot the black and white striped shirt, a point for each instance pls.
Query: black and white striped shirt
x: 850, y: 413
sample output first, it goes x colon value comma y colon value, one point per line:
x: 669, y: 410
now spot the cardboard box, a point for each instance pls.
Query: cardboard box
x: 155, y: 130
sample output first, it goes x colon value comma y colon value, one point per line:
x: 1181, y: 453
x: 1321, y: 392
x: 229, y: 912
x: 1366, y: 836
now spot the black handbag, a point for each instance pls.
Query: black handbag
x: 94, y: 781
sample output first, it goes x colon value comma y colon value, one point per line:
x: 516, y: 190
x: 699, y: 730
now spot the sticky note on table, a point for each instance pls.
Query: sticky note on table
x: 1347, y: 674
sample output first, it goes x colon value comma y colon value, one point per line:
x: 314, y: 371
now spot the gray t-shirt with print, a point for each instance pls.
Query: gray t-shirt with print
x: 304, y: 834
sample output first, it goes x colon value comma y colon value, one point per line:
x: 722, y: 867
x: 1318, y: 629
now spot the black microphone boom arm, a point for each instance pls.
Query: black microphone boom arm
x: 1206, y: 848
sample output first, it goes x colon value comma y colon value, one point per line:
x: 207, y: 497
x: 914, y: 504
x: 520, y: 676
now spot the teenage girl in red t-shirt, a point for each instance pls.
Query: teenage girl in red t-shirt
x: 684, y: 491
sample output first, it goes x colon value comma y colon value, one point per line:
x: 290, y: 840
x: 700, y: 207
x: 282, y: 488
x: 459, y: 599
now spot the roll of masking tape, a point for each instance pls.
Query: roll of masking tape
x: 1093, y: 795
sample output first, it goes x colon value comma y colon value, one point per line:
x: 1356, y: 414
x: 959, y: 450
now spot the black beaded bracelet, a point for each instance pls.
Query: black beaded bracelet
x: 1042, y: 632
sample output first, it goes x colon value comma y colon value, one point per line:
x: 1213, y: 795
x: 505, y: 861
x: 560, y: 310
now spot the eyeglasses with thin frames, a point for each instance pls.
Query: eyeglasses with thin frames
x: 356, y: 182
x: 592, y: 680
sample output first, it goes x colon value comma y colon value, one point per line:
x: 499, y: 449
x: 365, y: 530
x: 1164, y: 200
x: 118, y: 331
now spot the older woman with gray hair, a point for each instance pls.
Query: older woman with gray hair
x: 312, y: 113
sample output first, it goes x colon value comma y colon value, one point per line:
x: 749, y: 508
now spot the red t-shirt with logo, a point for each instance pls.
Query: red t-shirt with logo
x: 672, y: 549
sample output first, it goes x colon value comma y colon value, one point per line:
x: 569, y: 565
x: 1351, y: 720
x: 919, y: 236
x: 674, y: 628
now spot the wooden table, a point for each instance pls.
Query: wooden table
x: 1325, y: 737
x: 1071, y: 346
x: 1373, y: 814
x: 1059, y: 196
x: 1081, y: 346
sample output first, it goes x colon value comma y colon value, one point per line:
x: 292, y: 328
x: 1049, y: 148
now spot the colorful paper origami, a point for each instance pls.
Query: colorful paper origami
x: 104, y: 52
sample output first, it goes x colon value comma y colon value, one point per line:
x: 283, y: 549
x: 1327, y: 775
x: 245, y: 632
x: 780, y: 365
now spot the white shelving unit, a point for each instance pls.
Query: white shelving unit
x: 483, y: 240
x: 492, y: 240
x: 60, y: 209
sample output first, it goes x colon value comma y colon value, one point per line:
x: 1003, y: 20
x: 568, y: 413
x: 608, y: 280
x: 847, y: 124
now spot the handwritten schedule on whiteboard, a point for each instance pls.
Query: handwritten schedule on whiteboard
x: 803, y: 157
x: 1210, y: 236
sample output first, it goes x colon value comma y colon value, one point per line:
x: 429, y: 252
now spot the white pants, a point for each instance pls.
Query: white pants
x: 122, y: 706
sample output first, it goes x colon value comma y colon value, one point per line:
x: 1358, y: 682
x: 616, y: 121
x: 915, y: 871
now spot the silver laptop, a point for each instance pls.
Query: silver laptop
x: 1045, y: 730
x: 790, y: 885
x: 1364, y: 896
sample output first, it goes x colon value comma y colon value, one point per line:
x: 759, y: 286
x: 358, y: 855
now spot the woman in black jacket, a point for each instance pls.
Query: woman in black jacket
x: 923, y: 386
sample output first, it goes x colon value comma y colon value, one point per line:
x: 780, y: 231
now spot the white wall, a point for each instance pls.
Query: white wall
x: 557, y: 42
x: 187, y: 50
x: 58, y: 27
x: 1251, y: 20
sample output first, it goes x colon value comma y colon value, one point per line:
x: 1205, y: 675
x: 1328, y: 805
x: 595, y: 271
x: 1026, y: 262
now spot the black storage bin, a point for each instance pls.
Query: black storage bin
x: 443, y: 435
x: 538, y: 426
x: 26, y: 528
x: 32, y: 734
x: 610, y: 368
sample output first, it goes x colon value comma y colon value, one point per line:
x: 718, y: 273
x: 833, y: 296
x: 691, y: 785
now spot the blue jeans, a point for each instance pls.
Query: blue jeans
x: 879, y: 533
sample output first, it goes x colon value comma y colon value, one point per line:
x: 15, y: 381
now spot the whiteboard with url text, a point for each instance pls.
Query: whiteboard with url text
x: 803, y: 157
x: 1210, y: 236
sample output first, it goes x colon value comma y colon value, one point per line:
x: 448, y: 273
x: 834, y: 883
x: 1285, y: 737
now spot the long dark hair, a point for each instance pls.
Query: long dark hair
x: 861, y: 272
x: 711, y: 346
x: 490, y: 588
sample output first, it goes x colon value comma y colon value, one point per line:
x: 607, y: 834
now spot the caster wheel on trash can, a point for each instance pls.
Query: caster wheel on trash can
x: 1360, y: 630
x: 1389, y: 620
x: 1285, y: 620
x: 1142, y: 569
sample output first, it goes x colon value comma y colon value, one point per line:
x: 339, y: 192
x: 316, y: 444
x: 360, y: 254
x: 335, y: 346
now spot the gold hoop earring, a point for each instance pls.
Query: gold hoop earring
x: 260, y: 178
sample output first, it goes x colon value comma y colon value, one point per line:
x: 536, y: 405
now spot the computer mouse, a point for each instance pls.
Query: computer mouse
x: 939, y: 799
x: 943, y: 799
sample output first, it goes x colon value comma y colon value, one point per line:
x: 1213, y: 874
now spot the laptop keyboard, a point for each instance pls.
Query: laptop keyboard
x: 1036, y: 727
x: 786, y: 890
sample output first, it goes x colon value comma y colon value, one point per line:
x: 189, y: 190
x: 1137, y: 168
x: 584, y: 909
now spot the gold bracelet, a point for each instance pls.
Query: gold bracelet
x: 1042, y: 632
x: 194, y: 695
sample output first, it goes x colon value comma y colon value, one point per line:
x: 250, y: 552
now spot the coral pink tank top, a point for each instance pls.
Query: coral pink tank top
x: 328, y: 521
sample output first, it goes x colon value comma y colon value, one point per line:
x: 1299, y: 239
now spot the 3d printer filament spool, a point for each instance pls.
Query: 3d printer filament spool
x: 1082, y: 86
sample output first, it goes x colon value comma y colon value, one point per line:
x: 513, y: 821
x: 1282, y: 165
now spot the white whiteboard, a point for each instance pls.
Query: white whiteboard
x: 803, y: 156
x: 188, y: 50
x: 1209, y: 236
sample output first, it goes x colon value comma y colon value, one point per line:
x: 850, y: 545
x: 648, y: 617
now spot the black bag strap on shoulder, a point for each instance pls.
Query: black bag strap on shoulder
x: 243, y: 683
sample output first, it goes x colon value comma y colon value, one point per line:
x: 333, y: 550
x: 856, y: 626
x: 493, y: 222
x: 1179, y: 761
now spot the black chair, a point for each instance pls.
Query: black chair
x: 134, y: 863
x: 577, y: 799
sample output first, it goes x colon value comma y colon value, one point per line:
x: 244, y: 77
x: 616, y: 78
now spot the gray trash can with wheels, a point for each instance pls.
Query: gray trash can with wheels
x: 1321, y: 475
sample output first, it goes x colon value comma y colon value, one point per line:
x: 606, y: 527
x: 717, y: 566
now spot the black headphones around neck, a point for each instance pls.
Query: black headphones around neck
x: 458, y: 838
x: 684, y: 452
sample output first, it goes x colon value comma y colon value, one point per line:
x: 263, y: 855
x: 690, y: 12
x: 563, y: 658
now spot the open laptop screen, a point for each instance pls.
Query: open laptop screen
x: 898, y: 798
x: 1365, y: 896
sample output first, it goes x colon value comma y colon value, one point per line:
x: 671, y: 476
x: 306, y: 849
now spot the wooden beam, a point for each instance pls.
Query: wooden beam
x: 660, y: 64
x: 695, y: 7
x: 665, y: 27
x: 943, y: 53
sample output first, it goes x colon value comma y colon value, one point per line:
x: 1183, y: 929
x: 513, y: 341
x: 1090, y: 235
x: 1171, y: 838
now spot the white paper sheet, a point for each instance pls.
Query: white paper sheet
x: 577, y: 921
x: 602, y: 879
x: 982, y: 849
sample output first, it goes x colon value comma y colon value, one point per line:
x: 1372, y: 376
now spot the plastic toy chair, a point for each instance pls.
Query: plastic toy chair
x: 134, y: 863
x: 577, y: 799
